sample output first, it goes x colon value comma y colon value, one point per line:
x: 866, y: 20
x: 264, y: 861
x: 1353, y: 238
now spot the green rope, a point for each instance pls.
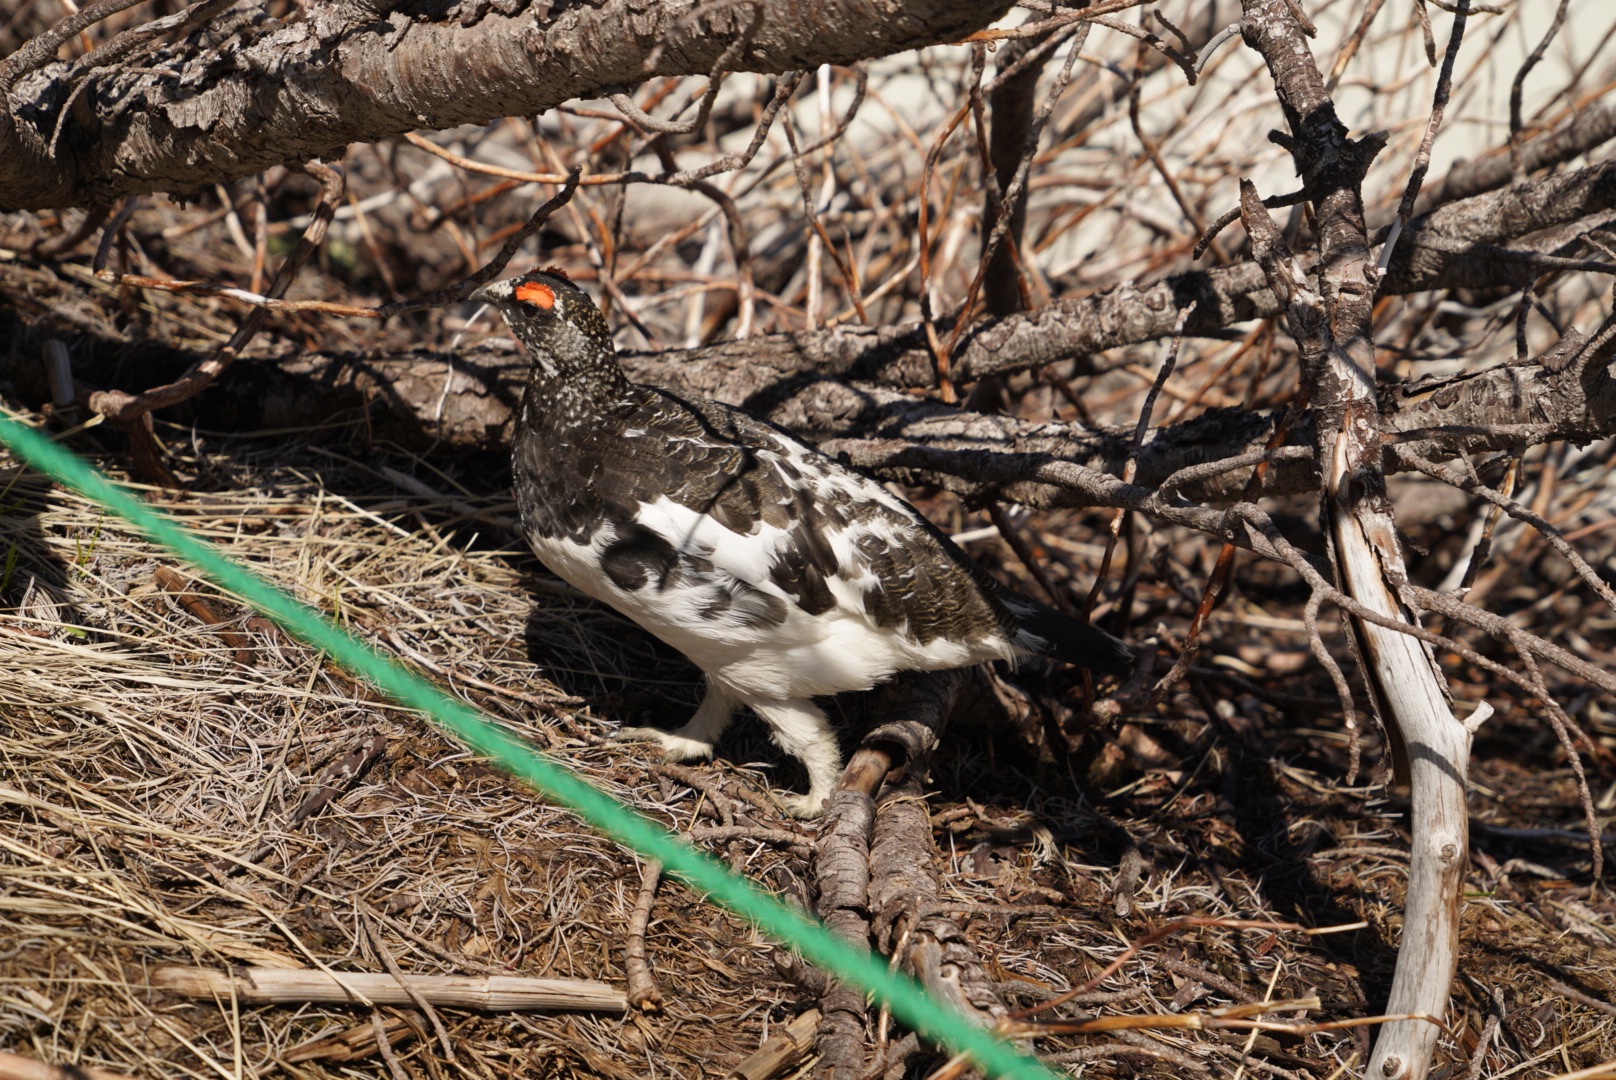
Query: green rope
x: 908, y: 1002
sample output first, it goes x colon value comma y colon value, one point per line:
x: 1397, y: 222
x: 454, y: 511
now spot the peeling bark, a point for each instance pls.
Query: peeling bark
x: 1426, y: 255
x: 1332, y: 325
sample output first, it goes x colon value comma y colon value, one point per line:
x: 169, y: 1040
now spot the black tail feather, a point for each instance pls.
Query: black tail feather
x: 1070, y: 640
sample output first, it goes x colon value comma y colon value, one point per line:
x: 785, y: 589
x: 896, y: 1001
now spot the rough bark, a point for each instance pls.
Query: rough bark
x: 1011, y: 109
x: 1331, y: 322
x: 419, y: 400
x: 855, y: 880
x: 241, y: 94
x: 842, y: 874
x: 1587, y: 128
x: 903, y: 898
x: 902, y: 888
x: 1455, y: 245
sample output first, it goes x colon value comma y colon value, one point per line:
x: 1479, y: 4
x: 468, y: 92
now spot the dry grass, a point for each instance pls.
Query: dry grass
x: 161, y: 774
x: 154, y: 774
x: 151, y: 778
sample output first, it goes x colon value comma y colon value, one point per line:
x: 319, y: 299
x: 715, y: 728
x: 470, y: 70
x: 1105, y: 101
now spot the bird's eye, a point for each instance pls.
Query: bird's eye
x: 536, y: 294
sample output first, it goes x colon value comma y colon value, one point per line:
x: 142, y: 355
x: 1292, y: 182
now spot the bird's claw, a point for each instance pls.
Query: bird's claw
x: 675, y: 747
x: 803, y: 807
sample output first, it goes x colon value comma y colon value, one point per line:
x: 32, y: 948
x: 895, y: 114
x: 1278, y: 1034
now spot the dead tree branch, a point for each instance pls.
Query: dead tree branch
x: 1332, y: 325
x: 187, y: 116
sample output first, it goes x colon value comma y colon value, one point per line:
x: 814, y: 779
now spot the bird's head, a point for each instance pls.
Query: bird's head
x: 557, y: 321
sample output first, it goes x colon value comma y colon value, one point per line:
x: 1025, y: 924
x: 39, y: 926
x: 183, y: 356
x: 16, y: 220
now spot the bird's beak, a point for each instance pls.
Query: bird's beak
x: 484, y: 295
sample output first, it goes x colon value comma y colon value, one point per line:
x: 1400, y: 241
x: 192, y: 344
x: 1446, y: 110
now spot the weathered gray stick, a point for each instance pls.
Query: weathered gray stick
x: 494, y: 993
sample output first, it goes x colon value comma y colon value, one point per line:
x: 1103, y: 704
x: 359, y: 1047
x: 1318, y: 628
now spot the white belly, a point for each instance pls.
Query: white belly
x: 801, y: 655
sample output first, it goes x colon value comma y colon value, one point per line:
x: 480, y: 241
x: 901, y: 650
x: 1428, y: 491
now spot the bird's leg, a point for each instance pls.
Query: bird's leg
x: 694, y: 740
x: 800, y: 729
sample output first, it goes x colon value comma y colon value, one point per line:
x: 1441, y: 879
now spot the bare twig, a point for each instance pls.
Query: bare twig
x: 42, y: 49
x: 411, y: 988
x: 1517, y: 163
x: 1422, y: 159
x: 715, y: 80
x: 384, y: 1046
x: 123, y: 408
x: 643, y: 993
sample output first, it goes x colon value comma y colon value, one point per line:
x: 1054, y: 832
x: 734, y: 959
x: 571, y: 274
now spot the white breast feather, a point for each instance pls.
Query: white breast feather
x: 803, y: 656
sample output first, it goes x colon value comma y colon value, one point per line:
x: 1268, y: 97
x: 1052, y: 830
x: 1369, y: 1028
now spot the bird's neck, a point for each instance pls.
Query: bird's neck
x: 563, y: 394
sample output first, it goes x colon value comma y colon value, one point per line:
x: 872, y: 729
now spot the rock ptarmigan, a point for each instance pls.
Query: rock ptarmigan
x: 779, y: 572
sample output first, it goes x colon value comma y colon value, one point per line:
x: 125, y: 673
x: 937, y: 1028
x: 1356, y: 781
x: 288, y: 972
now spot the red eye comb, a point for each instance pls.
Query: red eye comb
x: 537, y: 294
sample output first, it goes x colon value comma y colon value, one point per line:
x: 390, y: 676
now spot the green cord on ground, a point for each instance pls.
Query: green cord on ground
x: 908, y: 1002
